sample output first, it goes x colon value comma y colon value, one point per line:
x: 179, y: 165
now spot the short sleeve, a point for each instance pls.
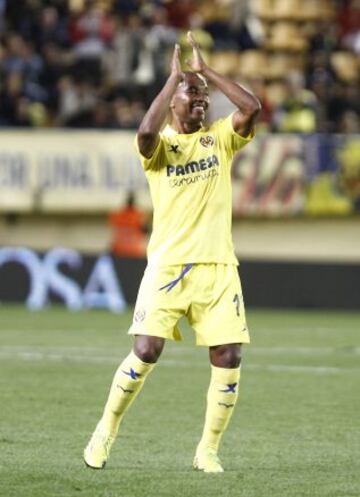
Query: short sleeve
x: 157, y: 158
x: 228, y: 136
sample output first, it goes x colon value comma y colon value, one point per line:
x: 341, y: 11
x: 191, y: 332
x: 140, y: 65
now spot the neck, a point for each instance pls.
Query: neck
x: 185, y: 127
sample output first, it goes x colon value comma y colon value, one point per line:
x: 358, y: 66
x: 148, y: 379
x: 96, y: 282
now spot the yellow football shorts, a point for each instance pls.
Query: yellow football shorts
x: 209, y: 295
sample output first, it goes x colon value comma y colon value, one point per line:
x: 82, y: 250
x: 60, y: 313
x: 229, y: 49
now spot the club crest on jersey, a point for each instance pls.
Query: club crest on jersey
x: 139, y: 316
x: 207, y: 141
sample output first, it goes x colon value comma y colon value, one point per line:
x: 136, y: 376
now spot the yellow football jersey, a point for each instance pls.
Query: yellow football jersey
x: 190, y: 184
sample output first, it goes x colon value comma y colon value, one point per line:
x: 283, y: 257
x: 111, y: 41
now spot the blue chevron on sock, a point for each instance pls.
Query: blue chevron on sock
x: 230, y: 388
x: 134, y: 375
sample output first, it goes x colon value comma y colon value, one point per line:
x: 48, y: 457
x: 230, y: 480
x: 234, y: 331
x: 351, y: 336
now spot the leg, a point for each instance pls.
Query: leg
x: 226, y: 356
x: 148, y: 348
x: 154, y: 310
x: 221, y: 326
x: 129, y: 379
x: 221, y: 399
x: 127, y: 383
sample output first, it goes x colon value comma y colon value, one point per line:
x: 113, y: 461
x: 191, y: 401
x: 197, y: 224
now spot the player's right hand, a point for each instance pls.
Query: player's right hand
x: 197, y: 62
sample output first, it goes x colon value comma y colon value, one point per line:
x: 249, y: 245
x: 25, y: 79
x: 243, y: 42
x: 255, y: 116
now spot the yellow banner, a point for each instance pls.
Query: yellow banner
x: 92, y: 171
x: 68, y: 170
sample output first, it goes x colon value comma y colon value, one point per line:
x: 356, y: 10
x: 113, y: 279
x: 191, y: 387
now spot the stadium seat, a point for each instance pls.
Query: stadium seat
x: 346, y: 66
x: 287, y: 9
x: 286, y: 36
x: 276, y: 93
x: 279, y: 64
x: 314, y: 11
x: 264, y: 9
x: 253, y: 64
x: 294, y: 10
x: 225, y: 62
x: 291, y: 10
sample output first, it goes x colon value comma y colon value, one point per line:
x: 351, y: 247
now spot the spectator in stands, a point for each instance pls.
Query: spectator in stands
x: 245, y: 29
x: 33, y: 68
x: 121, y: 58
x: 349, y: 122
x: 77, y: 100
x: 127, y: 115
x: 13, y: 103
x: 90, y: 32
x: 80, y: 53
x: 216, y: 16
x: 50, y: 28
x: 179, y: 12
x: 2, y: 12
x: 125, y: 8
x: 54, y: 68
x: 320, y: 79
x: 14, y: 57
x: 344, y: 101
x: 204, y: 38
x: 349, y: 23
x: 20, y: 17
x: 318, y: 70
x: 101, y: 116
x: 297, y: 113
x: 163, y: 37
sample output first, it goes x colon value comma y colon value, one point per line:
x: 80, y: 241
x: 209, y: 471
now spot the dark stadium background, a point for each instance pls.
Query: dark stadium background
x: 76, y: 78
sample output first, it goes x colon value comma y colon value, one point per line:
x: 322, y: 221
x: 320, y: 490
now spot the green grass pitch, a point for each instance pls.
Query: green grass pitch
x: 295, y: 431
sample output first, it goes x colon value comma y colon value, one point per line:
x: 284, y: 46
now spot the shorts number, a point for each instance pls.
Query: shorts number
x: 236, y: 301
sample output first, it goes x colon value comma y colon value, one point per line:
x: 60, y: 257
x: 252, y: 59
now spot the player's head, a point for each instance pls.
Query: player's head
x: 191, y: 99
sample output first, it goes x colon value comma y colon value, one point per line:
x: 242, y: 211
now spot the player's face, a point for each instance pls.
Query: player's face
x: 191, y: 99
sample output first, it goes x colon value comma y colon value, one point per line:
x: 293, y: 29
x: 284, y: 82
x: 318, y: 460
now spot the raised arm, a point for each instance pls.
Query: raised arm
x: 247, y: 104
x: 150, y: 126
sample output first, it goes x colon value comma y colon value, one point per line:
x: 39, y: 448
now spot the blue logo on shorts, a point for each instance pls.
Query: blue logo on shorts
x: 173, y: 283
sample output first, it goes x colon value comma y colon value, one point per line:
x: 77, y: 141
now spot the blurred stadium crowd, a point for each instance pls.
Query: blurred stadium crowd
x: 98, y: 64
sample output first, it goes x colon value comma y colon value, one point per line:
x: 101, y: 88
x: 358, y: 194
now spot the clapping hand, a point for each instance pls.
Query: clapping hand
x: 197, y: 62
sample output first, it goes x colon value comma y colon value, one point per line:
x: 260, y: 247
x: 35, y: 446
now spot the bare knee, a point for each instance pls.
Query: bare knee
x: 226, y: 356
x: 148, y: 348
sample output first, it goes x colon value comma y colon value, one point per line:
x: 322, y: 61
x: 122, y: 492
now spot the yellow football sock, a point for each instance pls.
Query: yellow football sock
x: 221, y: 399
x: 127, y: 383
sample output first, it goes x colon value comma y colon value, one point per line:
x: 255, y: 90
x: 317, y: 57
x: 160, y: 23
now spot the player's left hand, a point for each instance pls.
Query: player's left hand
x: 196, y: 63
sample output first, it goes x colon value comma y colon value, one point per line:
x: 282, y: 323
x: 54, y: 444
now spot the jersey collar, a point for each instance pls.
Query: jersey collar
x: 170, y: 131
